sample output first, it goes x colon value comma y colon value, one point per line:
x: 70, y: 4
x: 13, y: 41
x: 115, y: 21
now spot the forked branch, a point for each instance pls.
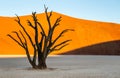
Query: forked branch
x: 60, y: 35
x: 18, y: 21
x: 48, y: 16
x: 30, y: 24
x: 62, y: 44
x: 15, y: 40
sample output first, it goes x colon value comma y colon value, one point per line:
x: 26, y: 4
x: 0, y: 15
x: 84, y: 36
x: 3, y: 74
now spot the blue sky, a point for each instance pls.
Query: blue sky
x: 100, y: 10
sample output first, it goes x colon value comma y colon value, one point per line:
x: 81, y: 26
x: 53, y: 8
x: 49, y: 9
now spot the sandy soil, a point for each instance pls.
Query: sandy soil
x: 63, y: 67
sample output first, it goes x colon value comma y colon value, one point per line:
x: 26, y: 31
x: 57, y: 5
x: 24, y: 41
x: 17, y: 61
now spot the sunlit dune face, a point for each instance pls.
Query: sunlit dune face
x: 86, y: 32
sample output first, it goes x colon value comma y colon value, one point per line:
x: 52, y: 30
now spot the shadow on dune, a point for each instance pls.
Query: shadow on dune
x: 106, y: 48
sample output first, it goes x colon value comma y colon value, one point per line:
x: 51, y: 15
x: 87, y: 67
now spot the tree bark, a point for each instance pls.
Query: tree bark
x: 42, y: 63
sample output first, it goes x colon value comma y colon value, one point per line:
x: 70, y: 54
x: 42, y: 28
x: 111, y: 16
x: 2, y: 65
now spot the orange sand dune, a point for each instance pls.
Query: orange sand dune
x: 86, y: 32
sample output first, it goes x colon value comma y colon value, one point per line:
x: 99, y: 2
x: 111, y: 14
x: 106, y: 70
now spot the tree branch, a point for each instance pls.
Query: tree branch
x: 15, y: 40
x: 41, y: 28
x: 18, y: 21
x: 34, y: 16
x: 41, y: 41
x: 53, y: 49
x: 36, y: 46
x: 30, y: 24
x: 64, y: 31
x: 23, y: 37
x: 18, y: 37
x: 62, y: 43
x: 52, y: 30
x: 24, y: 46
x: 25, y: 43
x: 57, y: 22
x: 28, y: 55
x: 48, y: 16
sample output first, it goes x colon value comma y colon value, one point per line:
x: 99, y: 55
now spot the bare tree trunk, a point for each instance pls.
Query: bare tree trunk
x: 34, y: 65
x: 42, y: 63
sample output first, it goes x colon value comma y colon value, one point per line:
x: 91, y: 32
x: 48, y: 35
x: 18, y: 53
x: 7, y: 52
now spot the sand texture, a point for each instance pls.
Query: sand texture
x: 88, y: 35
x: 63, y: 67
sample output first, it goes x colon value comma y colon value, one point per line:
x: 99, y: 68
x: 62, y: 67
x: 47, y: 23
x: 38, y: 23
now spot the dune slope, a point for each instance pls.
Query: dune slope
x: 86, y: 32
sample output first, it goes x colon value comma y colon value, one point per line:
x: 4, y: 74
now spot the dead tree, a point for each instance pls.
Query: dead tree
x: 43, y: 46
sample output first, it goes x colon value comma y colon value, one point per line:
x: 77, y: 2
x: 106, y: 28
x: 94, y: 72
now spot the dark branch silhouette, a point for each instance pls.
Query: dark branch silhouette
x: 43, y: 46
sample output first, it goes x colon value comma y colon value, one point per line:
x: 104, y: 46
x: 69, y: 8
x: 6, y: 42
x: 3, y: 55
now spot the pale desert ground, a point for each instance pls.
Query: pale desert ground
x: 71, y: 66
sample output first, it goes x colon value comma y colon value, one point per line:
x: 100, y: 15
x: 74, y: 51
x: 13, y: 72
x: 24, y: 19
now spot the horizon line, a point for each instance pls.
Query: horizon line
x: 11, y: 16
x: 22, y: 56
